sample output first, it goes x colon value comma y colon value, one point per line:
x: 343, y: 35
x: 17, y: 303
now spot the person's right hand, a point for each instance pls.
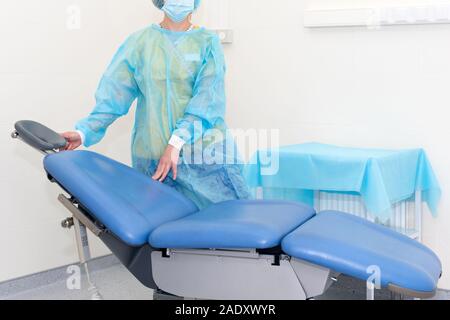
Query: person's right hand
x: 73, y: 140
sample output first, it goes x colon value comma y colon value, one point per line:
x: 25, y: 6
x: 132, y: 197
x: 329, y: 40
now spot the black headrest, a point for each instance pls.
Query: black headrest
x: 39, y: 136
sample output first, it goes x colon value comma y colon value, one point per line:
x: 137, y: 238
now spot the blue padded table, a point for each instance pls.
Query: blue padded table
x: 247, y: 248
x: 128, y: 202
x: 401, y: 262
x: 234, y: 224
x: 381, y: 177
x: 137, y: 211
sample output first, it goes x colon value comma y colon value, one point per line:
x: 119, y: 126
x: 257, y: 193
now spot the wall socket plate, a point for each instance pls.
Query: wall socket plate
x: 225, y: 35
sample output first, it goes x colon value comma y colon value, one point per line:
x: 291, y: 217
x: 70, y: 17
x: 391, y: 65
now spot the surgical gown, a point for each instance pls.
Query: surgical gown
x: 178, y: 81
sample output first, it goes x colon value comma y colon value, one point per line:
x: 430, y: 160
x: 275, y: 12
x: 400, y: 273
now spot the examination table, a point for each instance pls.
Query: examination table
x: 231, y: 250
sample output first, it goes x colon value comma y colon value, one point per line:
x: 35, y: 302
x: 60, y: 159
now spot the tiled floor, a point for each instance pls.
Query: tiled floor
x: 116, y: 283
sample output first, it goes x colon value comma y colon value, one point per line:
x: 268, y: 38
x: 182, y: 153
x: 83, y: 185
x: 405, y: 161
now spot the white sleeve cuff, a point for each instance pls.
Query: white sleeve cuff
x: 83, y: 137
x: 177, y: 142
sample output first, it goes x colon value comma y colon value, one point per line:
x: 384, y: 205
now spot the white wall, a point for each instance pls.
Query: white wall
x: 353, y: 87
x: 383, y: 88
x: 49, y: 73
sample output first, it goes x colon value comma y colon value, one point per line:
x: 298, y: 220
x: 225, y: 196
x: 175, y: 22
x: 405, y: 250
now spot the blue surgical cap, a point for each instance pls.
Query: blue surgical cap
x: 160, y: 3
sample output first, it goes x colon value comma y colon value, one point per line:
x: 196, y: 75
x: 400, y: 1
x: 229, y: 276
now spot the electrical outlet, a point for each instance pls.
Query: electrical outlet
x: 225, y: 35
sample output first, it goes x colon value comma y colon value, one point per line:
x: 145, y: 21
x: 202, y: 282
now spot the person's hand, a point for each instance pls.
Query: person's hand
x: 73, y: 140
x: 169, y: 161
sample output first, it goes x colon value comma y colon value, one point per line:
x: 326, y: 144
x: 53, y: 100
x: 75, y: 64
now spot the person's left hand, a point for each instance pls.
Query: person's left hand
x: 169, y: 161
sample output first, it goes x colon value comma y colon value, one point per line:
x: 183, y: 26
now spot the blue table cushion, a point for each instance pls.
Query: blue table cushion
x: 130, y: 204
x: 349, y: 245
x: 233, y: 225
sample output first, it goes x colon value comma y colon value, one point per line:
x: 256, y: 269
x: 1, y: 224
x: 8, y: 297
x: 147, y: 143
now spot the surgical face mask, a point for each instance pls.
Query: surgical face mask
x: 178, y: 10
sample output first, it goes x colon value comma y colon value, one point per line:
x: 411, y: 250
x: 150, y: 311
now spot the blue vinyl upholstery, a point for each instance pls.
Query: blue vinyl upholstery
x: 349, y: 245
x: 128, y: 203
x: 139, y: 210
x: 232, y: 225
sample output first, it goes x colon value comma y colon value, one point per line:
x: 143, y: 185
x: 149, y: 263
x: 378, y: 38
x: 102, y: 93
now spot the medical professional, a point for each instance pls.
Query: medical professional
x: 176, y: 72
